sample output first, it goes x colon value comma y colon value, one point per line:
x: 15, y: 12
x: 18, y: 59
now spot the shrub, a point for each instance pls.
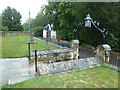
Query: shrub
x: 38, y: 31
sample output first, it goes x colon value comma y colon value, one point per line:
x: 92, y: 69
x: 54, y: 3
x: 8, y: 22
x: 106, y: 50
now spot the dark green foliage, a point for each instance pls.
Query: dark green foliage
x: 40, y: 20
x: 5, y: 29
x: 66, y: 16
x: 38, y: 23
x: 26, y: 24
x: 114, y: 42
x: 38, y: 31
x: 11, y: 19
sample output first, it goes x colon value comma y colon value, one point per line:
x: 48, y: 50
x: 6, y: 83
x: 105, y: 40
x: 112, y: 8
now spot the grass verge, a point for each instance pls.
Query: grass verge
x: 96, y: 77
x: 16, y: 46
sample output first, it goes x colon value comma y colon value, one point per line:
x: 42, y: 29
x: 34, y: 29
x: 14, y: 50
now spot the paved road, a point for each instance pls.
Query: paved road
x: 15, y: 70
x: 85, y: 53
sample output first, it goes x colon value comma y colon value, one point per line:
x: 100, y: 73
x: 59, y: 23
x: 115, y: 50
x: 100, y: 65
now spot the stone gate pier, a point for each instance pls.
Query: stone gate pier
x: 103, y: 52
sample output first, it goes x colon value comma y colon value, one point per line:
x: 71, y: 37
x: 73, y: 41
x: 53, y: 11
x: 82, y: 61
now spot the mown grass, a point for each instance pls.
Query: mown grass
x: 16, y: 46
x: 97, y: 77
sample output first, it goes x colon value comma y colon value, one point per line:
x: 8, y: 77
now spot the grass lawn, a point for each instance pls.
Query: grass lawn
x: 16, y: 46
x: 97, y: 77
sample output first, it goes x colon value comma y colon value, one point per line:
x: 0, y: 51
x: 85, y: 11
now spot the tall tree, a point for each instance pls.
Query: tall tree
x: 40, y: 20
x: 26, y: 24
x: 65, y: 17
x: 11, y: 19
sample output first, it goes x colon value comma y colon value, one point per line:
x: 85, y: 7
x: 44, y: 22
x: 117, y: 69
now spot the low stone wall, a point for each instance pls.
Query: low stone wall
x: 52, y: 55
x: 56, y: 67
x: 55, y: 55
x: 14, y: 33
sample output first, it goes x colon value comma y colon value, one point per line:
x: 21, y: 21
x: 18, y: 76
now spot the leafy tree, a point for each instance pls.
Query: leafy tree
x: 40, y: 20
x: 62, y: 19
x: 114, y: 42
x: 38, y: 31
x: 26, y: 24
x: 4, y: 29
x: 38, y: 23
x: 65, y: 17
x: 11, y: 18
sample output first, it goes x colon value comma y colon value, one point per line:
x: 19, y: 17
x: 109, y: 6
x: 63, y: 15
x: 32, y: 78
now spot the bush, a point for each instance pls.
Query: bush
x: 5, y: 28
x: 38, y: 31
x: 114, y: 42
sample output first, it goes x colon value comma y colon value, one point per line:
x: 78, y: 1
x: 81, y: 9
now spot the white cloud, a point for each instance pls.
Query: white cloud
x: 23, y: 6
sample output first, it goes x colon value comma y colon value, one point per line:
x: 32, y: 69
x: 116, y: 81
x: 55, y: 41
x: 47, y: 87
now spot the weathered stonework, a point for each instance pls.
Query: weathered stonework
x: 75, y: 47
x: 48, y: 60
x: 56, y: 67
x: 103, y: 52
x: 52, y: 55
x: 14, y: 33
x: 55, y: 55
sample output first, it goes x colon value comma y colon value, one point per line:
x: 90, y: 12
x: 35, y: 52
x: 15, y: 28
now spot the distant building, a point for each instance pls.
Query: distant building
x: 49, y: 33
x: 53, y: 34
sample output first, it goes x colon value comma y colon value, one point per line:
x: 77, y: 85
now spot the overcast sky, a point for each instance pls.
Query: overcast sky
x: 23, y: 6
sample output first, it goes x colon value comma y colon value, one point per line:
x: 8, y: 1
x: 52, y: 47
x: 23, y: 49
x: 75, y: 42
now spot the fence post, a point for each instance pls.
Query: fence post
x: 36, y: 61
